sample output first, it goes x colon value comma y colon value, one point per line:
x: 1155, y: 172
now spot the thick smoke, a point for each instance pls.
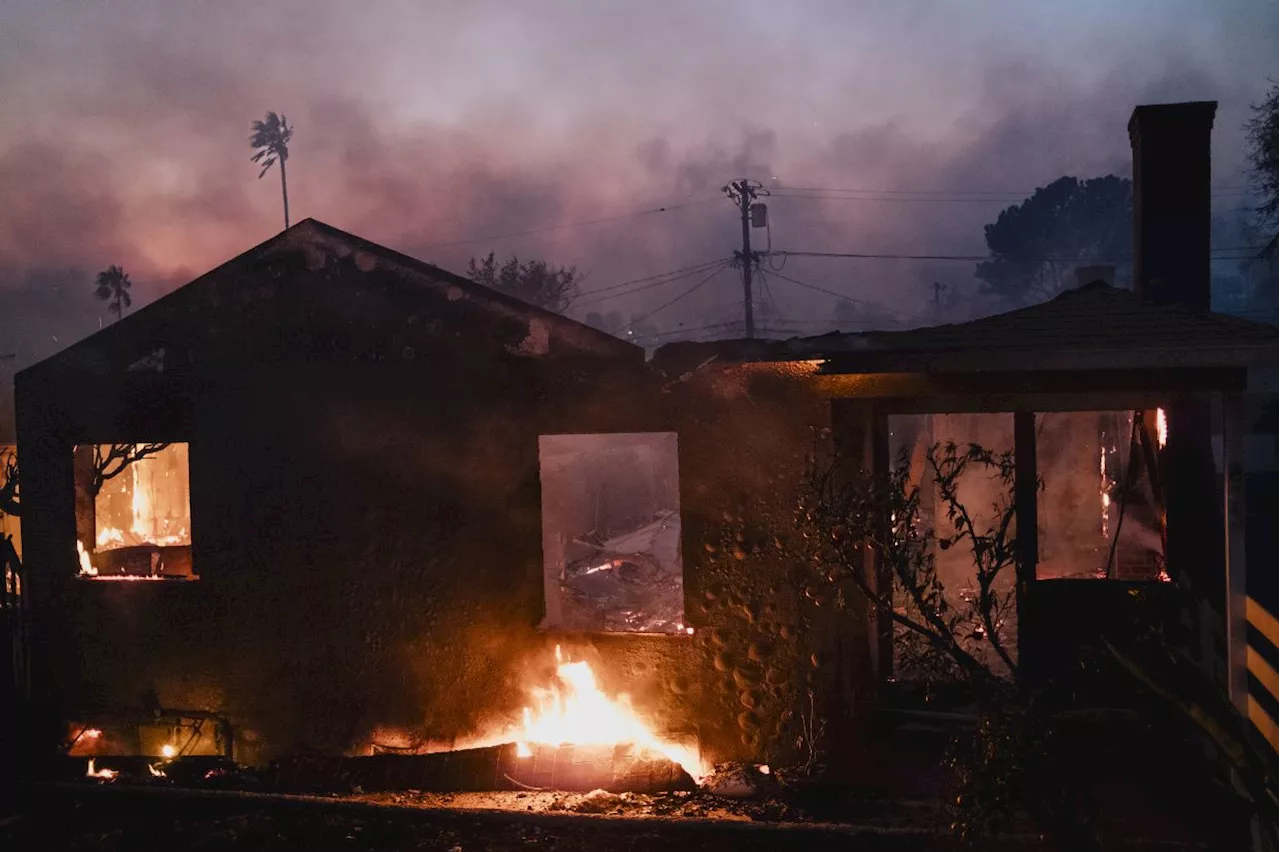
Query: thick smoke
x: 125, y: 140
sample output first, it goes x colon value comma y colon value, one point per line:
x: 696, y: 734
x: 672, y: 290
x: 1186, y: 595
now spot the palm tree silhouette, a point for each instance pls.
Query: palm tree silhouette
x: 271, y: 138
x: 113, y: 284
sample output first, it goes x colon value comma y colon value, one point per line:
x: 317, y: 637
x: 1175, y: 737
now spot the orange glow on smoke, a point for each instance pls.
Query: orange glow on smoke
x: 574, y: 711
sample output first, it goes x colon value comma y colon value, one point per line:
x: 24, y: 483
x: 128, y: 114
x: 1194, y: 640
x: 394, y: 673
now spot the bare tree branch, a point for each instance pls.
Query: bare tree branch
x: 111, y: 463
x: 843, y: 520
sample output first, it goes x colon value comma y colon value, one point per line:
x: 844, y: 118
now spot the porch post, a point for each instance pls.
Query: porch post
x: 1233, y: 516
x: 861, y: 433
x: 1025, y: 496
x: 879, y: 451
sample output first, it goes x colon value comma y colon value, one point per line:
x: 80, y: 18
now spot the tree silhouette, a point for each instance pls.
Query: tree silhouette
x: 271, y: 139
x: 1036, y: 245
x: 113, y: 285
x: 552, y: 288
x: 1262, y: 140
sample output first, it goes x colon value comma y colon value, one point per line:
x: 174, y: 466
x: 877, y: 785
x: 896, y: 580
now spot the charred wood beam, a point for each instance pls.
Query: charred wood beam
x: 1026, y: 490
x: 895, y: 382
x: 564, y: 769
x: 1150, y: 442
x: 878, y: 456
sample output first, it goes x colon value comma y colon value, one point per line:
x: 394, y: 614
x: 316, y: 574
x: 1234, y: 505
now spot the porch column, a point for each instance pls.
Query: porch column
x: 879, y: 466
x: 1233, y: 515
x: 861, y: 434
x: 1025, y: 496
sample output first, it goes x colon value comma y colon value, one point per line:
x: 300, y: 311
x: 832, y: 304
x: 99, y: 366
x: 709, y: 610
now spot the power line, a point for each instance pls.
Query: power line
x: 657, y: 281
x: 768, y: 294
x: 842, y: 296
x: 933, y: 200
x: 974, y: 258
x: 668, y: 304
x: 1224, y: 189
x: 678, y: 331
x: 567, y: 225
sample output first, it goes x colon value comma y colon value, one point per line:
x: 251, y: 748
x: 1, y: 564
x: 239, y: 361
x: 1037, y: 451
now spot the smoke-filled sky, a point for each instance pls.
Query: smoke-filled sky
x: 422, y: 124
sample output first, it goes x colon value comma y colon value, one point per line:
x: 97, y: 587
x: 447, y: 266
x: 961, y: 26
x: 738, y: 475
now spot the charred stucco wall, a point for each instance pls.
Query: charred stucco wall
x: 366, y: 523
x: 781, y: 661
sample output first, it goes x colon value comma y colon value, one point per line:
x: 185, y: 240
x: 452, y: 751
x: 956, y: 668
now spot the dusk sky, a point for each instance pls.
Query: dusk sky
x: 422, y: 124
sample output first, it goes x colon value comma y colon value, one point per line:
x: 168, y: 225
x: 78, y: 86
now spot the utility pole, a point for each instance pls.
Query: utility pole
x: 743, y: 192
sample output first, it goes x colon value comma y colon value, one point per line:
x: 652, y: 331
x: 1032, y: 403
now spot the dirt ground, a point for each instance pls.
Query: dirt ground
x: 66, y: 821
x: 80, y: 818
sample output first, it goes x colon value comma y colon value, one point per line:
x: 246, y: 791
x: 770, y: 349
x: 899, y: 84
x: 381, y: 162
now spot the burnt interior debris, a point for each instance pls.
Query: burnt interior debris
x: 611, y: 533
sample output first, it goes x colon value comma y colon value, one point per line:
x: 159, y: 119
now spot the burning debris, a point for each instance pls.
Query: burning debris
x: 630, y: 582
x: 611, y: 533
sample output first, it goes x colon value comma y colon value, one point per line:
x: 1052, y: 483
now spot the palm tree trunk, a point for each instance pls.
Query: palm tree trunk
x: 284, y: 190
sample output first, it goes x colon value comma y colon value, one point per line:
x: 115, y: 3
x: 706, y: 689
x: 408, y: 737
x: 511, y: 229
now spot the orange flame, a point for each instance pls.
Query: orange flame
x: 86, y: 565
x: 104, y: 774
x: 146, y: 504
x: 1162, y: 427
x: 574, y: 711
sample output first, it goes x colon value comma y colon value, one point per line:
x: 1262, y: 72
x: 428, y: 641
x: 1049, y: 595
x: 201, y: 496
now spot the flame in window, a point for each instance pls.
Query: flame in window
x: 147, y: 503
x: 1162, y: 427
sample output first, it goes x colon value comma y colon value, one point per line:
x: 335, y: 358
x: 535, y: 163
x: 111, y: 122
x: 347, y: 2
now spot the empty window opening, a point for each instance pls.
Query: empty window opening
x: 133, y: 511
x: 611, y: 533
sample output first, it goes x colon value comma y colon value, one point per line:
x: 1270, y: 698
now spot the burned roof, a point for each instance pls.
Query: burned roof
x: 315, y: 285
x: 1096, y: 326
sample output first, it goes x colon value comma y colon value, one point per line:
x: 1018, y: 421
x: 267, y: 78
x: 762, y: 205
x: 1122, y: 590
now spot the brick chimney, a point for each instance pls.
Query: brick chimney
x: 1171, y: 202
x: 1106, y: 273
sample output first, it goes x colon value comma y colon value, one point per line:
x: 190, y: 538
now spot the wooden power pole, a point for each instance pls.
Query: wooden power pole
x: 743, y: 192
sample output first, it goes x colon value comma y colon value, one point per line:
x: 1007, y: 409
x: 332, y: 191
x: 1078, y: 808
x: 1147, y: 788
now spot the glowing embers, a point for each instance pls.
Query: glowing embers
x: 133, y: 512
x: 574, y: 711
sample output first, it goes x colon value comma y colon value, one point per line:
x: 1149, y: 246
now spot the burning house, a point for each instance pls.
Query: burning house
x: 303, y: 503
x: 380, y: 509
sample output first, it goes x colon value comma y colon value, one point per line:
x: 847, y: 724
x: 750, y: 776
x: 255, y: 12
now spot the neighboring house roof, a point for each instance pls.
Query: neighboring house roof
x: 1096, y: 326
x: 205, y: 307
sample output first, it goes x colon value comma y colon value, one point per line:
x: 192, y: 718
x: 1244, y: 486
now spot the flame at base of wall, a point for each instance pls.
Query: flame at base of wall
x: 571, y: 711
x: 574, y: 711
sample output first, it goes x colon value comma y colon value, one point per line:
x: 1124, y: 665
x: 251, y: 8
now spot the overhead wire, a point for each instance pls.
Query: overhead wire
x: 764, y: 286
x: 561, y: 227
x: 805, y: 192
x: 636, y: 321
x: 627, y: 288
x: 977, y: 258
x: 842, y: 296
